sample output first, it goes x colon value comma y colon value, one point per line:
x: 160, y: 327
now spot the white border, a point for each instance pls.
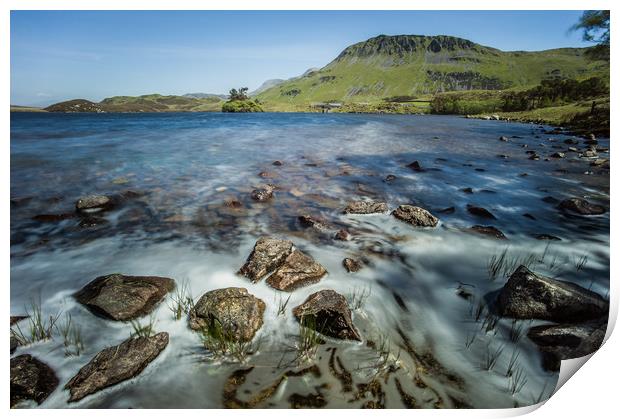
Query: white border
x: 592, y: 393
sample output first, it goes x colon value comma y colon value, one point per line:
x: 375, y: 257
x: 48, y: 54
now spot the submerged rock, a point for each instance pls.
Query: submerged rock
x: 527, y: 295
x: 342, y: 235
x: 558, y: 155
x: 121, y: 297
x: 264, y: 193
x: 116, y: 364
x: 93, y: 203
x: 308, y: 221
x: 480, y: 212
x: 52, y: 218
x: 31, y: 379
x: 268, y: 254
x: 415, y: 216
x: 415, y: 165
x: 547, y: 237
x: 327, y: 312
x: 365, y: 207
x: 351, y: 265
x: 297, y: 270
x: 582, y: 207
x: 567, y: 341
x: 503, y: 138
x: 389, y: 178
x: 235, y: 311
x: 488, y: 231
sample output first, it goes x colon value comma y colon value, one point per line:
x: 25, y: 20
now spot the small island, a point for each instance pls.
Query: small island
x: 239, y: 101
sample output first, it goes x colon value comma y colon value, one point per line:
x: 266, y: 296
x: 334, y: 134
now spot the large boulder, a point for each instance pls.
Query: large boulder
x: 297, y: 270
x: 116, y: 364
x: 236, y: 312
x: 415, y: 216
x: 527, y: 295
x: 93, y: 203
x: 582, y: 207
x: 122, y: 297
x: 365, y: 207
x: 31, y: 379
x: 328, y: 313
x: 268, y: 254
x: 566, y: 341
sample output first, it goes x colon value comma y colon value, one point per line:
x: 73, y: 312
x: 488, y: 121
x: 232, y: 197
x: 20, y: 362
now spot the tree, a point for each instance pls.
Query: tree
x: 241, y: 94
x: 595, y: 27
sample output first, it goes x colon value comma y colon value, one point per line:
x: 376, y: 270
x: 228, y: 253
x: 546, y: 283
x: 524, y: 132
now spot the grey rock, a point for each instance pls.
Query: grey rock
x: 328, y: 313
x: 351, y: 265
x: 297, y: 271
x: 268, y: 254
x: 558, y: 155
x: 264, y: 193
x: 121, y: 297
x: 116, y: 364
x: 93, y: 203
x: 238, y: 313
x: 415, y: 216
x: 31, y: 379
x: 582, y: 207
x: 365, y: 207
x: 527, y: 295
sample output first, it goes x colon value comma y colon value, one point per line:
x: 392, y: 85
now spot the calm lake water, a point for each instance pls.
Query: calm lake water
x: 176, y: 172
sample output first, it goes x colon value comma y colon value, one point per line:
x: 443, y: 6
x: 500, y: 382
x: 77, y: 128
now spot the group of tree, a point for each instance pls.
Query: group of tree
x: 595, y: 27
x: 241, y: 94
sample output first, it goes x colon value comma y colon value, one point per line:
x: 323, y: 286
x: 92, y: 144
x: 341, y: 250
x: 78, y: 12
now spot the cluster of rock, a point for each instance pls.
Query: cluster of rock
x: 581, y: 314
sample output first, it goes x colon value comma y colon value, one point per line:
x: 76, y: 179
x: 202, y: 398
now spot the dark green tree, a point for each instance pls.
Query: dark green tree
x: 241, y: 94
x: 595, y: 27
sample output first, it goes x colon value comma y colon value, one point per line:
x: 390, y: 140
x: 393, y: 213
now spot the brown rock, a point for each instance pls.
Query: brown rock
x: 31, y: 379
x: 351, y: 265
x: 297, y: 271
x: 582, y: 207
x: 479, y: 212
x: 365, y: 207
x: 327, y: 312
x: 415, y: 216
x: 268, y: 254
x: 488, y: 231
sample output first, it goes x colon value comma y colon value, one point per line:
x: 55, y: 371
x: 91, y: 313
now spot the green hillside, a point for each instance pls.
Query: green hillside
x: 420, y: 66
x: 146, y: 103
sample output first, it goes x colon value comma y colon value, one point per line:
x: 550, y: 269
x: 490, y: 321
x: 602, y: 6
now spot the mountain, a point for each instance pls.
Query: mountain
x: 205, y: 96
x: 419, y: 66
x: 266, y: 85
x: 145, y: 103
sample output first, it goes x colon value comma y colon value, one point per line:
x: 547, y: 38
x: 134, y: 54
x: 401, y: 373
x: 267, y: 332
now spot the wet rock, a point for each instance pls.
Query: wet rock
x: 93, y: 203
x: 502, y: 138
x: 116, y: 364
x: 277, y: 163
x: 573, y: 149
x: 232, y: 203
x: 31, y: 379
x: 389, y: 178
x: 365, y: 207
x: 558, y: 155
x: 309, y: 221
x: 503, y: 156
x: 523, y: 175
x: 488, y: 231
x: 268, y: 254
x: 571, y: 141
x: 582, y: 207
x: 449, y: 210
x: 238, y: 313
x: 415, y: 216
x: 52, y: 218
x: 567, y: 341
x: 263, y: 194
x: 297, y: 271
x: 177, y: 218
x: 415, y: 165
x: 121, y: 297
x: 328, y: 312
x: 467, y: 190
x: 16, y: 319
x: 351, y: 265
x: 528, y: 295
x: 92, y: 221
x: 528, y: 215
x: 547, y: 237
x: 600, y: 162
x: 480, y: 212
x: 589, y: 154
x: 265, y: 174
x: 342, y: 235
x: 550, y: 200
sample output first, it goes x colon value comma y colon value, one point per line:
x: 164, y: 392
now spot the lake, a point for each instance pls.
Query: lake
x: 183, y: 183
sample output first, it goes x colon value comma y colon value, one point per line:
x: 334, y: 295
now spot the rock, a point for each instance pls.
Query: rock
x: 311, y: 221
x: 277, y: 163
x: 502, y: 138
x: 265, y: 174
x: 467, y: 190
x: 52, y: 218
x: 121, y: 297
x: 389, y: 178
x: 263, y: 194
x: 590, y: 142
x: 488, y: 231
x: 581, y: 206
x: 116, y: 364
x: 547, y: 237
x: 328, y: 313
x: 31, y: 379
x: 16, y: 319
x: 599, y: 162
x: 351, y: 265
x: 558, y: 155
x: 342, y: 235
x: 566, y: 341
x: 268, y: 254
x: 365, y: 207
x: 93, y: 203
x: 238, y: 313
x: 550, y: 200
x: 528, y: 215
x: 92, y: 221
x: 415, y: 216
x: 177, y: 218
x: 503, y: 156
x: 589, y: 154
x: 415, y: 165
x: 573, y: 149
x: 297, y: 271
x: 527, y: 295
x: 449, y: 210
x: 571, y: 141
x: 534, y: 157
x: 120, y: 181
x: 232, y: 203
x: 495, y: 117
x: 480, y: 212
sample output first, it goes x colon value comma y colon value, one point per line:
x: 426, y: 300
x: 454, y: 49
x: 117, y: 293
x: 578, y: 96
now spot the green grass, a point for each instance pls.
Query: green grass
x: 39, y: 326
x: 71, y: 336
x: 145, y: 103
x: 143, y: 330
x: 221, y: 343
x: 181, y: 301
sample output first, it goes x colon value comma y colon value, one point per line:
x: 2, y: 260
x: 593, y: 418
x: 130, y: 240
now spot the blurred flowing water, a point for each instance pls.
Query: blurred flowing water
x: 176, y: 172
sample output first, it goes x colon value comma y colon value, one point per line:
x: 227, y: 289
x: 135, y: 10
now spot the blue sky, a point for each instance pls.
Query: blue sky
x: 59, y: 55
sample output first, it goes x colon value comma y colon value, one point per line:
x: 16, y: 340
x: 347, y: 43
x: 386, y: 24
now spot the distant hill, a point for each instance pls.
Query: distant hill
x: 205, y: 96
x: 266, y: 85
x: 419, y: 66
x: 146, y: 103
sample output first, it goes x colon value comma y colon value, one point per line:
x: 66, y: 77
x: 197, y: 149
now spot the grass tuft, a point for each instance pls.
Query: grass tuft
x: 221, y: 342
x: 181, y: 301
x: 71, y: 336
x: 491, y: 357
x: 282, y: 305
x: 358, y: 298
x: 143, y: 330
x: 39, y: 327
